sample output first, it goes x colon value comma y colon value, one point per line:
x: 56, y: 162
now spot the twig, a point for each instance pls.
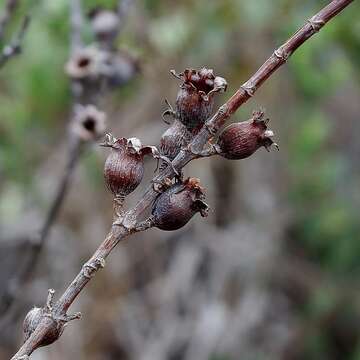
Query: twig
x: 123, y: 9
x: 7, y: 14
x: 118, y: 233
x: 76, y: 20
x: 14, y: 48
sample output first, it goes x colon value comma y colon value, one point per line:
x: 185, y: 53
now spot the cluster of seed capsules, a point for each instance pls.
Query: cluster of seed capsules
x: 182, y: 199
x: 101, y: 65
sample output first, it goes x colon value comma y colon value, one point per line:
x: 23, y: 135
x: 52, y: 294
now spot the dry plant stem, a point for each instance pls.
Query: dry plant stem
x: 76, y: 20
x: 123, y: 9
x: 14, y: 48
x: 118, y: 233
x: 9, y: 10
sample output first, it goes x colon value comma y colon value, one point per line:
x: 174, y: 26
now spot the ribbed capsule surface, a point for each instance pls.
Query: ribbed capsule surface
x: 195, y: 99
x: 193, y: 109
x: 123, y: 171
x: 176, y: 206
x: 241, y: 140
x: 173, y: 139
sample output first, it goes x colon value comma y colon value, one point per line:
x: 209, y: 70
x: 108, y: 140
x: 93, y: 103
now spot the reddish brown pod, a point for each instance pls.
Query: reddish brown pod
x: 173, y: 139
x: 177, y: 205
x: 195, y: 99
x: 124, y: 167
x: 240, y: 140
x: 32, y: 320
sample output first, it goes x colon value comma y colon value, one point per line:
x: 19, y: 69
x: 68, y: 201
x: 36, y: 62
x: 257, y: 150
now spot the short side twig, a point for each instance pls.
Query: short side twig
x: 14, y: 48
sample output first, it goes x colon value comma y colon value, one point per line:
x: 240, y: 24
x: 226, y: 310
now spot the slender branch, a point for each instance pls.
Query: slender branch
x: 14, y: 48
x: 77, y: 21
x: 7, y: 14
x: 123, y: 9
x: 119, y: 232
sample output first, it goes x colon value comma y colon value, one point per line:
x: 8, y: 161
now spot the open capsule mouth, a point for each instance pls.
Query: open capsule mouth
x: 89, y: 124
x: 83, y: 62
x: 203, y: 80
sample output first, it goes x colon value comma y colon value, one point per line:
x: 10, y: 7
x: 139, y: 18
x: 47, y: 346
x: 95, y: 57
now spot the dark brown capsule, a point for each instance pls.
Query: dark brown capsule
x: 174, y: 139
x: 240, y: 140
x: 32, y: 320
x: 124, y: 167
x: 176, y: 206
x: 195, y: 99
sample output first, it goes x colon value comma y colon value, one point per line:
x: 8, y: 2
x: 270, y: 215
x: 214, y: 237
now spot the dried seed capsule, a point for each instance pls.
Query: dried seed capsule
x: 32, y: 320
x: 195, y: 99
x: 240, y: 140
x: 121, y: 67
x: 124, y: 167
x: 176, y: 206
x: 105, y: 24
x: 173, y: 139
x: 87, y: 63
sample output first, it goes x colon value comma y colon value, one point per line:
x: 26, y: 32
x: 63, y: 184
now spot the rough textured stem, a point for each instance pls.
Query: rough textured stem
x: 118, y: 233
x: 14, y: 48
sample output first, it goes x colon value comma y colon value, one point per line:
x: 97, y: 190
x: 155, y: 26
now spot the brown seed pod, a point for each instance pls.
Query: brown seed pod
x: 124, y: 167
x: 176, y: 206
x: 32, y: 320
x: 173, y: 139
x: 240, y: 140
x: 195, y: 99
x: 87, y: 63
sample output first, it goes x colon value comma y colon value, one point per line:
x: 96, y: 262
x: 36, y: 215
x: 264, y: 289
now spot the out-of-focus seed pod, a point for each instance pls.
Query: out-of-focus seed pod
x: 177, y: 205
x: 195, y: 99
x: 124, y: 167
x: 88, y: 123
x: 87, y: 63
x: 121, y: 67
x: 240, y: 140
x: 173, y: 139
x: 105, y: 24
x: 32, y: 320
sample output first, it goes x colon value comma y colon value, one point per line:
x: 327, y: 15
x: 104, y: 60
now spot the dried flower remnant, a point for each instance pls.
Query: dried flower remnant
x: 177, y: 205
x: 240, y: 140
x: 88, y: 123
x: 195, y: 99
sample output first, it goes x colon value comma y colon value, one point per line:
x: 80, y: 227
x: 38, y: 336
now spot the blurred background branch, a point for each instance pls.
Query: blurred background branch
x: 85, y: 126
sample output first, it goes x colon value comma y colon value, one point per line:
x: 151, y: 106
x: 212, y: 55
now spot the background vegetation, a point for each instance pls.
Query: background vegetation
x: 302, y: 202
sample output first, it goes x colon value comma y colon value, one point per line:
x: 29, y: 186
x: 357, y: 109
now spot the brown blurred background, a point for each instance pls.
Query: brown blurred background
x: 273, y: 272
